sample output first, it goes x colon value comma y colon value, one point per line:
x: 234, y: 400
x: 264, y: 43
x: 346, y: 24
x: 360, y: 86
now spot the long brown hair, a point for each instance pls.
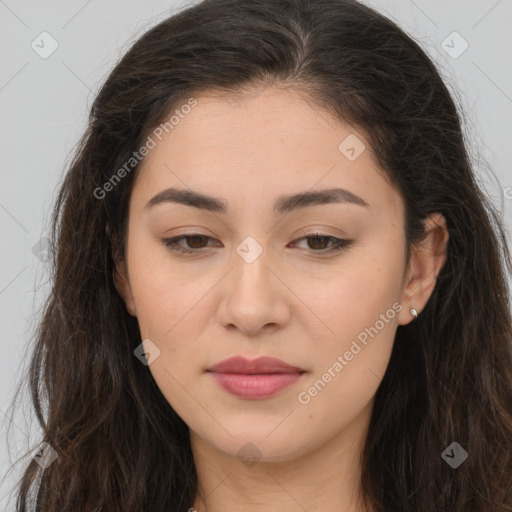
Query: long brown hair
x: 120, y: 445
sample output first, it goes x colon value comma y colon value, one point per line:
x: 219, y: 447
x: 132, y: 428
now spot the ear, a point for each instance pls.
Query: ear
x: 122, y: 284
x: 427, y: 259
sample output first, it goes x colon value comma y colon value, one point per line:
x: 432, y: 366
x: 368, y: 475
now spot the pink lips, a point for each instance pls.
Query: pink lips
x: 259, y: 378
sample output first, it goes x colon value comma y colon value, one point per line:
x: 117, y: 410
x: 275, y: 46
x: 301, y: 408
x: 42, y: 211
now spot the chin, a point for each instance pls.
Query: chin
x: 257, y: 445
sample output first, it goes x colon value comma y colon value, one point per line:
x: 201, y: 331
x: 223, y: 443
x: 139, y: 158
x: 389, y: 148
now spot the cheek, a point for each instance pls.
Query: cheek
x: 162, y: 289
x: 359, y: 309
x: 350, y: 362
x: 354, y: 294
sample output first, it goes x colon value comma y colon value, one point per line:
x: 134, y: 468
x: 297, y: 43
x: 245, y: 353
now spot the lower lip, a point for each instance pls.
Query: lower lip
x: 256, y: 385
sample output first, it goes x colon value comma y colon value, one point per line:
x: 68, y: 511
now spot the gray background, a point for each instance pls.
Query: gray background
x: 45, y: 101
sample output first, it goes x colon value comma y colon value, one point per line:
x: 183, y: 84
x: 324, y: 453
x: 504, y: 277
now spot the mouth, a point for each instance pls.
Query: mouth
x: 257, y: 379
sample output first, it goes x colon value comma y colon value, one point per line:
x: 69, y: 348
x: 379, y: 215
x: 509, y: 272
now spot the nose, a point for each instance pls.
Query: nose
x: 254, y: 297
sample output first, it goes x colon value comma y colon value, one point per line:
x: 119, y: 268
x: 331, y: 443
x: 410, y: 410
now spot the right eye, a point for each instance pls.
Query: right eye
x: 197, y: 239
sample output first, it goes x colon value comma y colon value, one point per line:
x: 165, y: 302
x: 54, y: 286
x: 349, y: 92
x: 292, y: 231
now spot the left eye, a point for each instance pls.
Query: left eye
x: 194, y: 240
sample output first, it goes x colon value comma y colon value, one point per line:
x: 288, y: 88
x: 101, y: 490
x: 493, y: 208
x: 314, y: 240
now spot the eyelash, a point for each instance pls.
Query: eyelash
x: 171, y: 243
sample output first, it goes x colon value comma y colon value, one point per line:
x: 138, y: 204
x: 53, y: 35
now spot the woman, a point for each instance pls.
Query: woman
x: 276, y: 283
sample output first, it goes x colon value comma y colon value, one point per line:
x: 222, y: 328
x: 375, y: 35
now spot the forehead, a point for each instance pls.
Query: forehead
x: 262, y: 144
x: 259, y: 124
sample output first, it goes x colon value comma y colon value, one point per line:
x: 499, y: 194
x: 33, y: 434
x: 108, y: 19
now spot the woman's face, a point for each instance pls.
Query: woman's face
x: 257, y: 281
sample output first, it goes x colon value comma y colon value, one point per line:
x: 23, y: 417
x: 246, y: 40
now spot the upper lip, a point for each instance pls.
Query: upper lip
x: 264, y: 364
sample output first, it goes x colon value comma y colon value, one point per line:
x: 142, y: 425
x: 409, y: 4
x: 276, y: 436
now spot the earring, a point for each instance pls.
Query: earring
x: 413, y: 312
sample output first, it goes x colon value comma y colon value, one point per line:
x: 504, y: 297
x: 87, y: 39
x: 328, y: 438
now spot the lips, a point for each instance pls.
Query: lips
x: 261, y: 365
x: 259, y: 378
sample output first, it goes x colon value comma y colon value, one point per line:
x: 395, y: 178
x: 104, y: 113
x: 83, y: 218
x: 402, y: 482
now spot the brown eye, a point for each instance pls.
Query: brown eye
x: 195, y: 243
x: 197, y: 240
x: 319, y: 243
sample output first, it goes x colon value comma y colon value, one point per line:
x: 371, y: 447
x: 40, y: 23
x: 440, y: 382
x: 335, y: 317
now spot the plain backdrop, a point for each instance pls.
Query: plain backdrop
x: 44, y: 102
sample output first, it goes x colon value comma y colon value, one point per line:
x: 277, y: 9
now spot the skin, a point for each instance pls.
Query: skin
x: 292, y: 303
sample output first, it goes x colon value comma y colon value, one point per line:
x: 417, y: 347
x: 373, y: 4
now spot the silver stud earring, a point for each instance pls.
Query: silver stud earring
x: 413, y: 312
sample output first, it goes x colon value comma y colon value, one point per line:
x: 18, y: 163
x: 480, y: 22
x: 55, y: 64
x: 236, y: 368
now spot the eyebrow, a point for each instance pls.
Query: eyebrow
x: 284, y: 204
